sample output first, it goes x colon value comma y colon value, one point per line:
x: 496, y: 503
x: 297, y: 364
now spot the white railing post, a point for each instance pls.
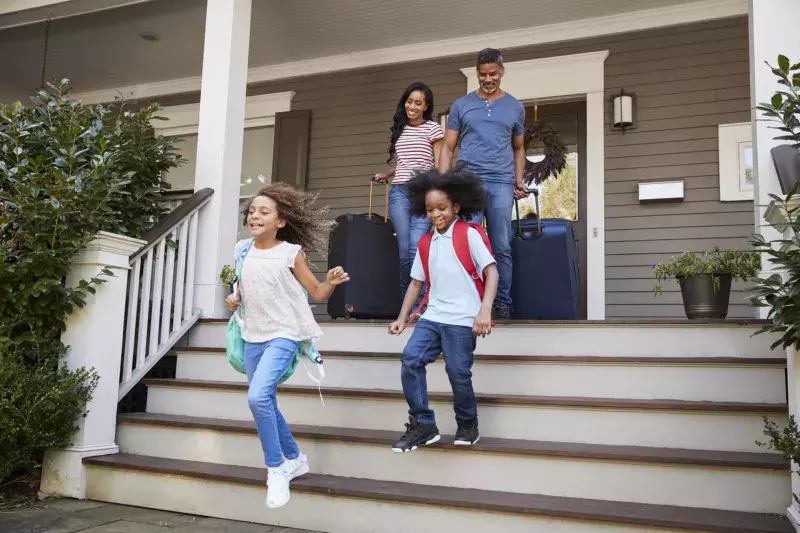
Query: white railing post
x: 94, y: 335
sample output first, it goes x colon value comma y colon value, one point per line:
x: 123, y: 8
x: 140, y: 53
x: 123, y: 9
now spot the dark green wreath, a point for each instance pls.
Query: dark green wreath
x: 555, y: 153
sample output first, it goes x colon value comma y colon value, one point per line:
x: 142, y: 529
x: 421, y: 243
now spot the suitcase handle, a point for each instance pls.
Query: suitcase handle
x: 386, y: 212
x: 535, y: 193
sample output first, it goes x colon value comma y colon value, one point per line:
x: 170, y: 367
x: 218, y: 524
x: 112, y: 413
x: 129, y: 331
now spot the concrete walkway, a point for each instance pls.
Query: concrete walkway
x: 72, y: 516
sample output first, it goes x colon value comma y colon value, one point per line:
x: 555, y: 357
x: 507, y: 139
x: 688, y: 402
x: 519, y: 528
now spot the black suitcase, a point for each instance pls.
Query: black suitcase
x: 546, y: 283
x: 365, y: 246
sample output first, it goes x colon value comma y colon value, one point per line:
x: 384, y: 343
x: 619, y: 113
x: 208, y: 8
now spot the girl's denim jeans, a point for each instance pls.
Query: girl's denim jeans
x: 266, y: 363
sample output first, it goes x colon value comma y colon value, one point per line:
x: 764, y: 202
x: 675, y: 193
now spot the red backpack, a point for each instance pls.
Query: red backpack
x: 461, y: 247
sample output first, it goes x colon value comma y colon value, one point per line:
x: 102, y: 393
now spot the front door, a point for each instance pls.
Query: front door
x: 564, y: 196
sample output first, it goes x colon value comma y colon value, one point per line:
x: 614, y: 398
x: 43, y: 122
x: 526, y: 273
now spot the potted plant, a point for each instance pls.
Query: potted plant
x: 705, y: 279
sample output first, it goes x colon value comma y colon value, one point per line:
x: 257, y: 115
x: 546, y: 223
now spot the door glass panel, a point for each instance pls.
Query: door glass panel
x: 558, y: 196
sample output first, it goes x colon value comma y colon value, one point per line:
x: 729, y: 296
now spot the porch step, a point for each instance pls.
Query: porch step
x: 329, y: 503
x: 742, y: 379
x: 732, y: 426
x: 646, y: 339
x: 753, y: 482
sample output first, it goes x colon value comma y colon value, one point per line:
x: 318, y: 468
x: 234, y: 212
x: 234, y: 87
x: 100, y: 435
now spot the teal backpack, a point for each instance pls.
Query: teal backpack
x: 234, y: 344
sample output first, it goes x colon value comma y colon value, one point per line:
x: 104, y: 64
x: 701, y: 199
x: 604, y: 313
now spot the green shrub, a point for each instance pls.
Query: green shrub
x: 39, y: 407
x: 67, y: 171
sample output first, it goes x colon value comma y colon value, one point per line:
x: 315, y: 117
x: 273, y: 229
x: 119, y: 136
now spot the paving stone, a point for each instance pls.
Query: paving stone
x: 68, y: 504
x: 42, y: 520
x: 217, y: 525
x: 138, y: 514
x: 124, y: 526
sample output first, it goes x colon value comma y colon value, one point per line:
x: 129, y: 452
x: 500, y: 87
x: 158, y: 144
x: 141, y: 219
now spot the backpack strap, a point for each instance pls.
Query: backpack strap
x: 424, y: 249
x: 461, y: 246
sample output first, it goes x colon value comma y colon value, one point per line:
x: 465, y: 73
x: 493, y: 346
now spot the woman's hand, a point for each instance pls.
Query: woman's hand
x: 397, y: 327
x: 483, y: 323
x: 336, y: 276
x: 233, y: 302
x: 381, y: 178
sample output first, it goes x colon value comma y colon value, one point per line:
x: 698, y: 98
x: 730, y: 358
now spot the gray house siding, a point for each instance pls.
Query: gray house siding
x: 687, y: 79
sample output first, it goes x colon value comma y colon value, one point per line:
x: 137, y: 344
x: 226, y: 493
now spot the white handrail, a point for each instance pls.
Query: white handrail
x: 160, y: 297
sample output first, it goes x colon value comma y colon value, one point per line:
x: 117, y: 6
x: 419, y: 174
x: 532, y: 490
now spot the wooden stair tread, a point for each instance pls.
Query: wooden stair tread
x: 714, y: 322
x: 678, y: 360
x: 499, y: 399
x: 470, y: 499
x: 640, y: 454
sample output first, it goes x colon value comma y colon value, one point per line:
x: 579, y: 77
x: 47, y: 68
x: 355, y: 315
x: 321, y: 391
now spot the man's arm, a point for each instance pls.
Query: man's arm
x: 518, y: 144
x: 448, y: 147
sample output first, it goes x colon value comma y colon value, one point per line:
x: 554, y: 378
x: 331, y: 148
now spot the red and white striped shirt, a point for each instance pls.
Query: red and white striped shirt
x: 415, y: 149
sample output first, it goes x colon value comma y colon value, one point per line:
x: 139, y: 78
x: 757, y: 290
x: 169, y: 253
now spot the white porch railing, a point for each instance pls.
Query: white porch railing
x: 159, y: 308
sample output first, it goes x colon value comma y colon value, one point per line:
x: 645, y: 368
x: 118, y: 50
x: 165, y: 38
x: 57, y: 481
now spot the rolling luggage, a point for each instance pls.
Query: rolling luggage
x: 365, y: 246
x: 546, y: 282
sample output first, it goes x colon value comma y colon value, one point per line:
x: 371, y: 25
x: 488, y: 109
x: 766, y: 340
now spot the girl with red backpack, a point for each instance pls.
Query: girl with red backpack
x: 456, y: 261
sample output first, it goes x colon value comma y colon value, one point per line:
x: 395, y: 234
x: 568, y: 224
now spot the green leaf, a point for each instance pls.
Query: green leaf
x: 783, y: 63
x: 777, y: 100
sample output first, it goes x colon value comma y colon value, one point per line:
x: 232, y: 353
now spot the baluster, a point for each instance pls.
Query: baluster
x: 130, y: 326
x: 166, y: 310
x: 144, y: 309
x: 179, y: 282
x: 155, y: 321
x: 190, y: 267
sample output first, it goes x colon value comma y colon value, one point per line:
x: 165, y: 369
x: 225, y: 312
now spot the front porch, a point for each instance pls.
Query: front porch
x: 632, y: 420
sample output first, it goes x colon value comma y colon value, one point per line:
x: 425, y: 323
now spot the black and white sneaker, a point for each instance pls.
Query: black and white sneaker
x: 416, y: 435
x: 467, y: 433
x: 501, y: 311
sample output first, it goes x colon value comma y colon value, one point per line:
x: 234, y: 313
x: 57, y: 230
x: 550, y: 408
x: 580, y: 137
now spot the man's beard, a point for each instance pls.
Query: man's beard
x: 489, y: 89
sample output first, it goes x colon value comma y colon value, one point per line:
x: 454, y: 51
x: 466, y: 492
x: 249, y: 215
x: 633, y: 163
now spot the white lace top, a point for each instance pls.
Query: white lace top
x: 273, y: 302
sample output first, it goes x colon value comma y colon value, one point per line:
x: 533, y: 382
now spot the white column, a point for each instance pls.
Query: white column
x: 219, y: 145
x: 773, y: 31
x: 94, y: 337
x: 595, y: 209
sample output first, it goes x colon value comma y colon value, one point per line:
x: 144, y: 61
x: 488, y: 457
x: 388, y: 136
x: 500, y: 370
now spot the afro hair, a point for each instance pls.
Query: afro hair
x: 462, y: 188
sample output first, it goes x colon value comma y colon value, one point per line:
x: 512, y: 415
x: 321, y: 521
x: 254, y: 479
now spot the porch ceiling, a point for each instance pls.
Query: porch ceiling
x: 104, y: 49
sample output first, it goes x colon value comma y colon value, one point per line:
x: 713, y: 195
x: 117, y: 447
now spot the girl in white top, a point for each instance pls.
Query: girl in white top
x: 416, y: 141
x: 277, y: 316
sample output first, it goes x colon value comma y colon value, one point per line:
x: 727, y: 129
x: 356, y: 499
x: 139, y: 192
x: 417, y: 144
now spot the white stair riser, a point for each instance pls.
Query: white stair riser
x: 634, y: 380
x: 657, y: 341
x: 694, y: 430
x: 315, y: 511
x: 751, y: 490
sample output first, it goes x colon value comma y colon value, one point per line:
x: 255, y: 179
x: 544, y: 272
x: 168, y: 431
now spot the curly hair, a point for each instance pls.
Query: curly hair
x: 400, y: 119
x: 306, y: 225
x: 461, y: 187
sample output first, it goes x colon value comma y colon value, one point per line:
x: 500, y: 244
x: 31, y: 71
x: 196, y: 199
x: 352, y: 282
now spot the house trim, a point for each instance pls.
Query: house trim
x: 259, y: 112
x: 579, y: 29
x: 568, y: 76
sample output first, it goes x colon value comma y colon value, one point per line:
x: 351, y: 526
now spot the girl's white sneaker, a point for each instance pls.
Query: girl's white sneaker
x: 297, y: 467
x: 278, y: 486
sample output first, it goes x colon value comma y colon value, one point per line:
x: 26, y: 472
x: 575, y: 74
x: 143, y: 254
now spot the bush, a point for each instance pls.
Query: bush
x: 39, y: 406
x: 67, y: 171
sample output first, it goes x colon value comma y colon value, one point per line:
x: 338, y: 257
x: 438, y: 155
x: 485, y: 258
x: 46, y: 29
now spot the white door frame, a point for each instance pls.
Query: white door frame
x: 580, y: 75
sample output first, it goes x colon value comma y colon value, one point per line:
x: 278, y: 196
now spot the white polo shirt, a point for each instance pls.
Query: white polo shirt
x: 453, y: 297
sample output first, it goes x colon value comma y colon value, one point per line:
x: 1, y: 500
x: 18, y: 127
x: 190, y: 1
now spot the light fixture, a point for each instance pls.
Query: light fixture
x: 623, y: 111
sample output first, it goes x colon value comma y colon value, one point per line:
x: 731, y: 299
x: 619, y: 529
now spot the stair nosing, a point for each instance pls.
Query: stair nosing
x: 500, y: 399
x: 610, y: 359
x: 470, y: 499
x: 603, y: 452
x: 672, y: 322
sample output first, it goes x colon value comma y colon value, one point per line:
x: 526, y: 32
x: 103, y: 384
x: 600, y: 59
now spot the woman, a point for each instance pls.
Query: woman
x: 415, y: 142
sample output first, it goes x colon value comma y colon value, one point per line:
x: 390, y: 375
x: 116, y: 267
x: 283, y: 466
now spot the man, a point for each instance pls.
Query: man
x: 491, y: 125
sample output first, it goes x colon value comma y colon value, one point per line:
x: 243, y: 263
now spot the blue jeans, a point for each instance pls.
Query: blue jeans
x: 499, y: 203
x: 409, y: 230
x: 456, y: 344
x: 266, y: 363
